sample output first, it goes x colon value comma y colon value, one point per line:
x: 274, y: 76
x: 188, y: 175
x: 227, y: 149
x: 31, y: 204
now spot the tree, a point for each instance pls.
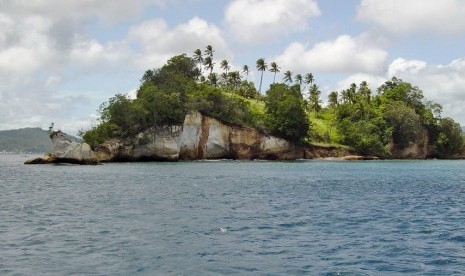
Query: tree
x: 209, y: 51
x: 213, y: 79
x: 285, y: 113
x: 245, y: 70
x: 199, y: 59
x: 288, y: 77
x: 309, y: 79
x: 208, y: 62
x: 450, y: 140
x: 333, y: 99
x: 405, y: 123
x: 299, y: 79
x: 225, y: 66
x: 261, y: 66
x: 274, y: 69
x: 314, y: 98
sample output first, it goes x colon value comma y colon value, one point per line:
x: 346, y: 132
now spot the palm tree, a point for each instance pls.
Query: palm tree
x: 299, y: 79
x: 213, y: 78
x: 199, y: 59
x: 235, y: 78
x: 261, y: 66
x: 208, y: 62
x: 309, y: 78
x: 288, y: 76
x: 209, y: 51
x: 274, y: 69
x: 245, y: 70
x: 333, y: 99
x: 225, y: 66
x: 314, y: 99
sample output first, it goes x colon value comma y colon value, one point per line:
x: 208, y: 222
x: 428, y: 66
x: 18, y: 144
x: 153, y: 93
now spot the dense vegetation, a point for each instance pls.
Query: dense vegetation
x: 356, y: 117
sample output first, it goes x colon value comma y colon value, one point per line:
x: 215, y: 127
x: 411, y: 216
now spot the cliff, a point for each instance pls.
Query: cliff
x: 200, y: 137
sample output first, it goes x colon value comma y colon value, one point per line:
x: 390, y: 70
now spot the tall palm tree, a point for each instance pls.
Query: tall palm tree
x: 199, y: 59
x: 314, y: 99
x: 225, y: 66
x: 245, y: 70
x: 309, y: 78
x: 288, y: 76
x: 261, y: 66
x: 299, y: 79
x: 209, y: 51
x: 274, y: 69
x: 333, y: 99
x: 208, y: 62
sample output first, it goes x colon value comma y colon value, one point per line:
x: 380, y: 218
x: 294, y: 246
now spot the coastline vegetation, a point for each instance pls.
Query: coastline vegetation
x: 357, y: 117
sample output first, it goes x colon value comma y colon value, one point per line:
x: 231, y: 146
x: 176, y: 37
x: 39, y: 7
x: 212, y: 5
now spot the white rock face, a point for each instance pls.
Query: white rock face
x: 190, y: 136
x: 161, y: 143
x: 63, y: 148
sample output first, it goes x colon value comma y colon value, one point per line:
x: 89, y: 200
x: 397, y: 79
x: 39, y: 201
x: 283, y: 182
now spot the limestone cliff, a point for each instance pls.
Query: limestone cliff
x: 200, y: 137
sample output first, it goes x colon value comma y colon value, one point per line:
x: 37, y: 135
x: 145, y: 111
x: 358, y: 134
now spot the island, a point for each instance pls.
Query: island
x: 187, y: 111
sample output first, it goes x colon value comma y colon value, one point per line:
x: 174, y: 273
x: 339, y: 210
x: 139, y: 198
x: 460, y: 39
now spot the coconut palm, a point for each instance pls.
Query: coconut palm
x: 245, y: 70
x: 208, y: 63
x: 261, y: 66
x: 314, y: 99
x: 299, y: 79
x: 309, y: 78
x: 274, y: 69
x: 209, y: 51
x: 225, y: 66
x: 199, y: 59
x: 288, y: 77
x: 333, y: 99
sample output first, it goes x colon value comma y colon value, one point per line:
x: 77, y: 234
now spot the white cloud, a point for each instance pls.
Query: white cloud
x: 400, y: 16
x: 159, y: 42
x: 255, y: 21
x: 374, y: 81
x: 345, y: 54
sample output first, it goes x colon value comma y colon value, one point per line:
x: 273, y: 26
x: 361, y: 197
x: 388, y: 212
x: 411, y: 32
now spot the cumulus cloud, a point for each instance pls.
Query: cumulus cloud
x: 345, y: 54
x: 255, y: 21
x: 159, y: 42
x: 400, y: 16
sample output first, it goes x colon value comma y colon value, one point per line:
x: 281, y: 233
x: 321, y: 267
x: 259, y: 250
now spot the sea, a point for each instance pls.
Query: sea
x: 233, y: 218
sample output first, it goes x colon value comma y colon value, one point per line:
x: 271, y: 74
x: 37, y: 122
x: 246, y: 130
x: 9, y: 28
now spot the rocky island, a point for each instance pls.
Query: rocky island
x: 186, y: 111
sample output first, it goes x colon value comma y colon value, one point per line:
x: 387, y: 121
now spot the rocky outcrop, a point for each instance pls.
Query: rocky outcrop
x: 66, y: 151
x: 200, y: 137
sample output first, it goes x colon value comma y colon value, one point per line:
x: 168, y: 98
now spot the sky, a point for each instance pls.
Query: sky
x: 59, y: 60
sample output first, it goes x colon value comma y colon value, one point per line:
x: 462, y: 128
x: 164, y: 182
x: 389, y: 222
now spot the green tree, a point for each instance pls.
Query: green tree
x: 261, y: 66
x: 225, y: 66
x: 314, y: 98
x: 288, y: 77
x: 246, y: 70
x: 405, y: 123
x: 333, y: 99
x: 450, y: 140
x: 274, y: 69
x: 285, y: 113
x: 198, y: 57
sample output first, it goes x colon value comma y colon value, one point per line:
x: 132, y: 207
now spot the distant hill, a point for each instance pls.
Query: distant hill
x: 34, y: 140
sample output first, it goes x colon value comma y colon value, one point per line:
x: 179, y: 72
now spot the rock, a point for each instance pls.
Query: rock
x: 351, y: 158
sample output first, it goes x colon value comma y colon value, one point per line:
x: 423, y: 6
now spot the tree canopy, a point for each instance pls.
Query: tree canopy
x: 356, y: 117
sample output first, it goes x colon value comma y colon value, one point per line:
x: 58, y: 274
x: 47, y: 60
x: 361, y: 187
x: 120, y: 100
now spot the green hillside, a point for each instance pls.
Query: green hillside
x: 25, y: 140
x: 34, y: 140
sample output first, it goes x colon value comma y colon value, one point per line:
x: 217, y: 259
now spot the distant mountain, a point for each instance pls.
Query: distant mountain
x: 34, y: 140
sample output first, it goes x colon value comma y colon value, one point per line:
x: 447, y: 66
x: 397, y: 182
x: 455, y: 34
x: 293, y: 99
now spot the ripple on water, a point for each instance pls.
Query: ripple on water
x: 328, y: 218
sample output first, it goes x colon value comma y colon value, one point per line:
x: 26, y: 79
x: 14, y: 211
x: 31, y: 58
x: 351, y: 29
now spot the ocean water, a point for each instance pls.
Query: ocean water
x: 230, y: 217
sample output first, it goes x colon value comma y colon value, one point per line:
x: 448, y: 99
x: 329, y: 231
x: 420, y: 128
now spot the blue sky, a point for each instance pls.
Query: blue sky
x: 59, y: 60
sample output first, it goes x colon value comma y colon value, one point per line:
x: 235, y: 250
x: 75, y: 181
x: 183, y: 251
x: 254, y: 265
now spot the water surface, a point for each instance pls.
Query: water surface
x: 229, y: 217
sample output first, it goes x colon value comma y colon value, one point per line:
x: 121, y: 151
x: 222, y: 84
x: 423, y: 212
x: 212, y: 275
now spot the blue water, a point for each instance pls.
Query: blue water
x: 209, y: 218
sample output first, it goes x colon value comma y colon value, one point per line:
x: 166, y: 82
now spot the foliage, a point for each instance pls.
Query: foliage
x: 285, y: 112
x: 355, y: 116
